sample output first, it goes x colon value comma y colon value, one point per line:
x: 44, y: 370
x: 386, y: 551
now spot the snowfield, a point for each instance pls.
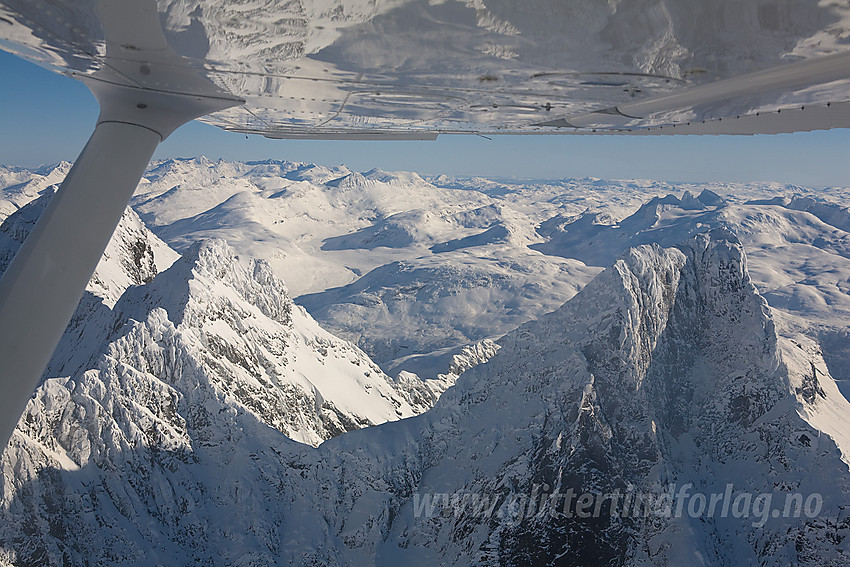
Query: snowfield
x: 587, y: 335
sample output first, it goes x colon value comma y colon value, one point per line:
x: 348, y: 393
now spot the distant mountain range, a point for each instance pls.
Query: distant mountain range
x: 194, y: 413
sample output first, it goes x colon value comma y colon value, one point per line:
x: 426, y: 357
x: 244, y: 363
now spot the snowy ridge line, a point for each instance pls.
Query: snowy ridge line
x: 401, y: 265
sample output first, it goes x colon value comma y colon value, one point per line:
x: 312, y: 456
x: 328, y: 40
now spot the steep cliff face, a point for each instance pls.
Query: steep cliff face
x: 665, y: 370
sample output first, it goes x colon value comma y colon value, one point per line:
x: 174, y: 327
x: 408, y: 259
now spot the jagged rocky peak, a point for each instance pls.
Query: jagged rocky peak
x: 675, y: 326
x: 352, y: 180
x: 133, y: 256
x: 210, y: 281
x: 212, y: 262
x: 651, y: 293
x: 18, y: 225
x: 236, y: 324
x: 711, y: 199
x: 209, y: 356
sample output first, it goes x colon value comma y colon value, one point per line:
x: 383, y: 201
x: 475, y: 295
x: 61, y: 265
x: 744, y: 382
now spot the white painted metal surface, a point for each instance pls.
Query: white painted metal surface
x: 407, y: 68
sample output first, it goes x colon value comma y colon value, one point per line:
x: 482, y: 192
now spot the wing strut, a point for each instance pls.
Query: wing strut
x: 44, y: 283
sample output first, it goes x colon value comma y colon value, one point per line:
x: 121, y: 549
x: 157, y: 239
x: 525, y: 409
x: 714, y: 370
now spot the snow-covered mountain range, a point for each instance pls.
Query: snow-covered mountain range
x: 193, y: 412
x: 411, y: 269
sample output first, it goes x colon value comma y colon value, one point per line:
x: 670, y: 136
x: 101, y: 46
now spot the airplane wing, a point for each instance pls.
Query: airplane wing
x: 388, y: 69
x: 412, y: 69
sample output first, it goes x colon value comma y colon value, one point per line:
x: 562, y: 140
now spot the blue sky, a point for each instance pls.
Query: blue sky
x: 45, y: 117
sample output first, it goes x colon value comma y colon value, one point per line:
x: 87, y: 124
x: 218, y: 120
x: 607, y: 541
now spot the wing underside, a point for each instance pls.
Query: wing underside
x: 412, y: 69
